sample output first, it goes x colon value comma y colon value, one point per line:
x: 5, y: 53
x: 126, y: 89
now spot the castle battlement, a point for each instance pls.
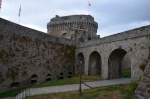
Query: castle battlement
x: 65, y: 26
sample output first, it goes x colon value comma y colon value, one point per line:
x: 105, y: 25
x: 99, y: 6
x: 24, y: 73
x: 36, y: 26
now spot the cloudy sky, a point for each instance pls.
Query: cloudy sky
x: 113, y: 16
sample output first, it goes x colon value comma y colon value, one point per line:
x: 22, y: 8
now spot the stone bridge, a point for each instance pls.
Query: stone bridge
x: 105, y: 56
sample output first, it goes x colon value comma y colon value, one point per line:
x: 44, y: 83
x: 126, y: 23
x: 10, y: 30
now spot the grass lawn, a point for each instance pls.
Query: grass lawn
x: 109, y: 92
x: 12, y: 92
x: 73, y: 80
x: 126, y: 73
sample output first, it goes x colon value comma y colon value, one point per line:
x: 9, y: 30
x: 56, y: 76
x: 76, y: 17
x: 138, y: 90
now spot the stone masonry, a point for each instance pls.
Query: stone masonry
x: 106, y: 54
x: 143, y: 89
x: 67, y: 26
x: 29, y: 57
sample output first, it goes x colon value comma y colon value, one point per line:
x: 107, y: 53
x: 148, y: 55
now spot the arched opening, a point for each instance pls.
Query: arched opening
x: 61, y: 75
x: 126, y: 67
x: 80, y: 63
x: 94, y: 67
x: 34, y: 79
x: 14, y: 84
x: 48, y: 77
x: 115, y: 62
x: 64, y: 35
x: 69, y: 74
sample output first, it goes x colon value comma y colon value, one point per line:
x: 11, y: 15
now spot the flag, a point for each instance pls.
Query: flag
x: 89, y: 3
x: 0, y: 3
x: 19, y: 11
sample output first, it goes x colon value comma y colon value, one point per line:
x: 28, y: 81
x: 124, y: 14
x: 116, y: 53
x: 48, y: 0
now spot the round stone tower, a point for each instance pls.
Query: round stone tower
x: 67, y: 26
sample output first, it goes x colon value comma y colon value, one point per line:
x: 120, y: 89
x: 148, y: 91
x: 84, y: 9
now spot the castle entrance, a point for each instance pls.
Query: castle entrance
x: 94, y: 67
x: 115, y: 62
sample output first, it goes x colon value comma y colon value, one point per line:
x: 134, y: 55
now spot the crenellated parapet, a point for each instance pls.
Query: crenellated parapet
x: 65, y: 26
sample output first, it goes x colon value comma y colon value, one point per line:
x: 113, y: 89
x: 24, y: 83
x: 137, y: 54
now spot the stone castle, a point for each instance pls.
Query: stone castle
x: 30, y: 57
x: 67, y: 26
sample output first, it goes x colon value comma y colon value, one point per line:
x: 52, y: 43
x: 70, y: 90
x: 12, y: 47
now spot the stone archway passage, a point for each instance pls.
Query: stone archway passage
x: 69, y: 74
x: 80, y: 57
x: 48, y: 77
x: 115, y: 63
x: 94, y: 64
x: 34, y: 78
x: 61, y: 76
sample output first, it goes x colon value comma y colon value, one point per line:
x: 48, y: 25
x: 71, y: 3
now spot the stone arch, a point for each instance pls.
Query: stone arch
x: 80, y: 57
x: 34, y: 78
x: 115, y: 63
x: 69, y: 74
x: 61, y: 76
x: 15, y: 84
x: 94, y: 67
x: 64, y: 35
x: 48, y: 77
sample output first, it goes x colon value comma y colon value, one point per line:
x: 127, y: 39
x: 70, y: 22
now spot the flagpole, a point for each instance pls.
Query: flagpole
x: 19, y: 14
x: 19, y: 20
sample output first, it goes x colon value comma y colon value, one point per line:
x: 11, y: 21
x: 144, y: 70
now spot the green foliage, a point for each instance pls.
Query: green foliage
x: 126, y: 73
x: 142, y: 66
x: 130, y: 93
x: 11, y: 93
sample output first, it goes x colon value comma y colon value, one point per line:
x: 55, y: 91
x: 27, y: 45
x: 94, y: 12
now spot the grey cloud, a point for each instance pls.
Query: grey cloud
x: 111, y: 15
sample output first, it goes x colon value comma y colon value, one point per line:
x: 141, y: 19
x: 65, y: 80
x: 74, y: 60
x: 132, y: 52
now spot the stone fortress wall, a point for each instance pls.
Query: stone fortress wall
x: 29, y: 57
x: 106, y: 54
x: 134, y: 33
x: 93, y: 47
x: 143, y: 89
x: 66, y: 26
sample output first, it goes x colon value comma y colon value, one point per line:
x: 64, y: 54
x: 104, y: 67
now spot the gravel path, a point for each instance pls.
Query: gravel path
x: 73, y: 87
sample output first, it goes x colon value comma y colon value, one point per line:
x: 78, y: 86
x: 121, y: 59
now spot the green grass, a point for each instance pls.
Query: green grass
x: 126, y: 73
x: 122, y: 91
x: 73, y: 80
x: 11, y: 93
